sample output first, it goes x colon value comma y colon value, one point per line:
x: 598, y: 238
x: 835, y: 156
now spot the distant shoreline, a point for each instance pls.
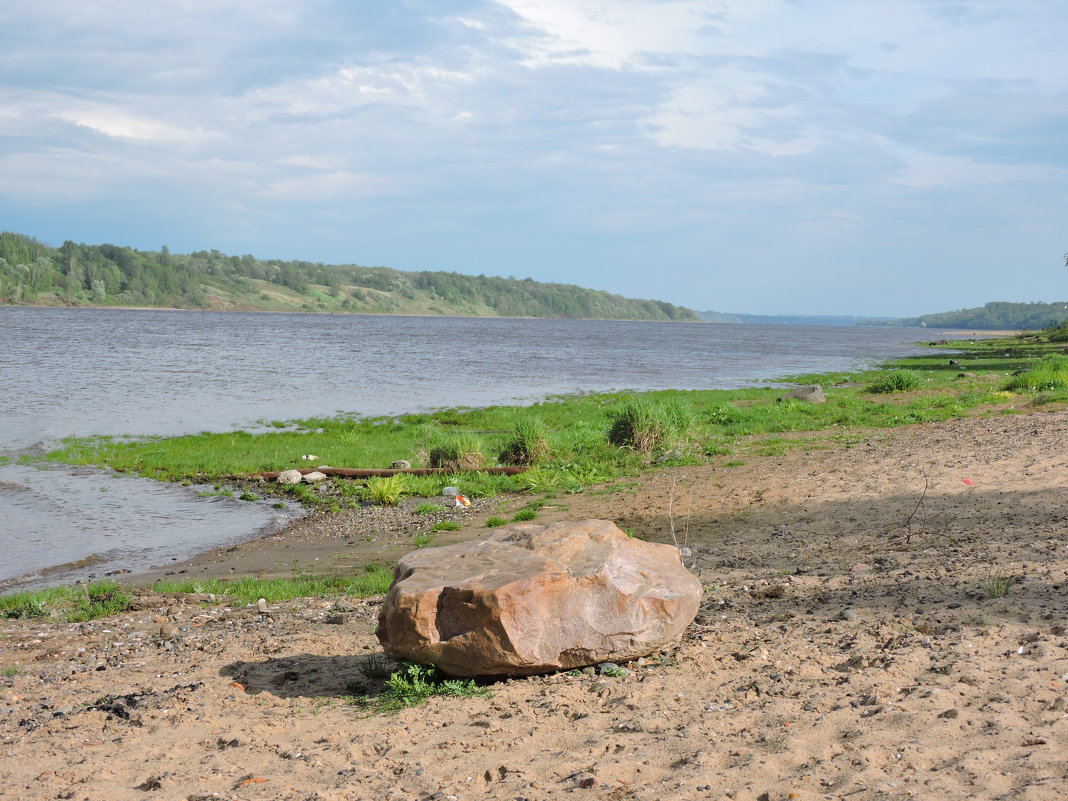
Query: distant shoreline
x: 335, y: 313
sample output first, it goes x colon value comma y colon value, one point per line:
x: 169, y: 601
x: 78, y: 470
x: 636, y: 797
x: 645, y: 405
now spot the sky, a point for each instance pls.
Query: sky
x: 886, y: 157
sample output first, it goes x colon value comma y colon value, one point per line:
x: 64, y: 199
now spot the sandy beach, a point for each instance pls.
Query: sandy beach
x: 884, y: 618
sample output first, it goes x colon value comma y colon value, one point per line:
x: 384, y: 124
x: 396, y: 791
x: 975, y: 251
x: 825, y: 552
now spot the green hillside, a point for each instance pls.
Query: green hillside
x: 33, y: 273
x: 996, y: 316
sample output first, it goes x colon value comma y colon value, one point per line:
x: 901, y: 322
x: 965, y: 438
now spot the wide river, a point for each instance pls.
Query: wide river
x: 81, y: 372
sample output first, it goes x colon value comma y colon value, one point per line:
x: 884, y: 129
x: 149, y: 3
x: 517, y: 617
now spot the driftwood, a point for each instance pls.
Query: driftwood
x: 359, y: 472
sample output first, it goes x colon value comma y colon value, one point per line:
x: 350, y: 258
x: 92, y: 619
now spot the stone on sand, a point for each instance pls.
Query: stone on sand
x: 533, y: 598
x: 289, y: 477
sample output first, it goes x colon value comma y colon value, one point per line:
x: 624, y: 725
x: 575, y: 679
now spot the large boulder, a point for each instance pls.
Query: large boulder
x: 532, y: 598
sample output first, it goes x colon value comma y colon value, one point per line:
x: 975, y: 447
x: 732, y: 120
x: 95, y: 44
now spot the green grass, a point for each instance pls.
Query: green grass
x: 999, y: 586
x: 529, y: 443
x: 71, y: 604
x: 446, y: 525
x: 577, y: 441
x: 373, y: 580
x: 1048, y: 374
x: 455, y: 451
x: 494, y: 522
x: 428, y: 508
x: 422, y: 539
x: 387, y: 490
x: 646, y: 424
x: 896, y: 381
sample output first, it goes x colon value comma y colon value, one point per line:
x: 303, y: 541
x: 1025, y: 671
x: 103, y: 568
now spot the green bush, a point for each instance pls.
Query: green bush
x: 896, y: 381
x: 493, y: 522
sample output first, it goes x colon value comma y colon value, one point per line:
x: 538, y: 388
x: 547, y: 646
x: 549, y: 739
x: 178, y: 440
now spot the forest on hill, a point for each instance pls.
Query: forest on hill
x: 33, y: 273
x: 995, y: 316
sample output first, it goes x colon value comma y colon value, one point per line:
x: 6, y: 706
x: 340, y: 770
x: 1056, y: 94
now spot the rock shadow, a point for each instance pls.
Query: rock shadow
x: 302, y: 675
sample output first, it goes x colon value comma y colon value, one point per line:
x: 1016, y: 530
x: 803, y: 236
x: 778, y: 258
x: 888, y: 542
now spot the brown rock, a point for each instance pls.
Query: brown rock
x: 532, y: 598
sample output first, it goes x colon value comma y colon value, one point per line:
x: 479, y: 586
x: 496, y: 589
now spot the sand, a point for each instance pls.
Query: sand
x: 848, y: 647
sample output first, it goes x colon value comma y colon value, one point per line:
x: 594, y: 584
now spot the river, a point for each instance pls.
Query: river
x: 87, y: 372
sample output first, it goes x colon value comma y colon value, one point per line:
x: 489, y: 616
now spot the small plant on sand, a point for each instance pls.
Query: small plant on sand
x: 100, y: 599
x: 528, y: 444
x: 646, y: 425
x: 422, y: 539
x: 524, y: 514
x: 999, y: 586
x: 387, y: 490
x: 493, y: 522
x: 445, y: 525
x: 428, y: 508
x: 896, y: 381
x: 11, y: 671
x: 375, y: 666
x: 411, y: 684
x: 457, y: 452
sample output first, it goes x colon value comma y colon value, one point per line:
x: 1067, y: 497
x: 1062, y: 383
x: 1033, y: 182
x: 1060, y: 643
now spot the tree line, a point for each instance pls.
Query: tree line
x: 75, y: 274
x: 996, y: 316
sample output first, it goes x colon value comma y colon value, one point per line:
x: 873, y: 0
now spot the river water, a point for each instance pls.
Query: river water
x: 82, y: 372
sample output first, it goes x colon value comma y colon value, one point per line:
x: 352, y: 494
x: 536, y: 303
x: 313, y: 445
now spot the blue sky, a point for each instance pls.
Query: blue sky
x: 890, y: 157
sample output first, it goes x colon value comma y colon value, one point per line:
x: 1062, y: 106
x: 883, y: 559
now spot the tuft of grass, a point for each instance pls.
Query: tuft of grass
x: 428, y: 508
x: 387, y: 490
x: 646, y: 425
x: 12, y: 670
x: 896, y: 381
x: 456, y: 452
x: 997, y: 586
x: 375, y: 666
x: 422, y: 539
x: 494, y: 522
x: 529, y: 443
x: 1049, y: 373
x: 524, y: 514
x: 446, y: 525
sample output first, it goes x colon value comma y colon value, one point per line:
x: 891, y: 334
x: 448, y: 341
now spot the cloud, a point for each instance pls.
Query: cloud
x: 556, y: 138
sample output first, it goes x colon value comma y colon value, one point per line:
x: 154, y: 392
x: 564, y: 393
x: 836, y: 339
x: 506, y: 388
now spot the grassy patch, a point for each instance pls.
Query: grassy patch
x: 1048, y: 374
x: 572, y: 442
x: 494, y: 522
x: 71, y: 604
x: 373, y: 580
